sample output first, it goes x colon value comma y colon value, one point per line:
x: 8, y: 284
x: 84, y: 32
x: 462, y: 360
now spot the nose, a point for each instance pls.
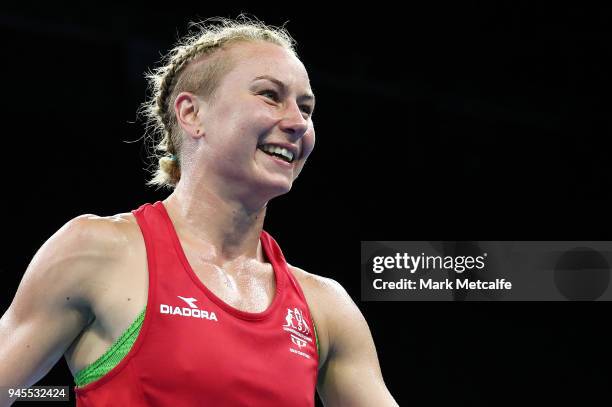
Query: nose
x: 294, y: 123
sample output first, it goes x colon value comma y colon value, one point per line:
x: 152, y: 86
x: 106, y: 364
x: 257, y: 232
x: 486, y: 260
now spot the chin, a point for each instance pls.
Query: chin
x: 283, y: 189
x: 277, y: 188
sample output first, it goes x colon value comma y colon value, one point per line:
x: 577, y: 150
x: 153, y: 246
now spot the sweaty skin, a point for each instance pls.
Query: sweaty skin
x: 88, y: 282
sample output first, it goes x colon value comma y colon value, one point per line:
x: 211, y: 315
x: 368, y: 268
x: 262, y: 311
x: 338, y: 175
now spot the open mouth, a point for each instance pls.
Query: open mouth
x: 276, y: 151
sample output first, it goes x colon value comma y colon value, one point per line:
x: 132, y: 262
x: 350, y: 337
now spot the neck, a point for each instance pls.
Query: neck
x: 223, y: 229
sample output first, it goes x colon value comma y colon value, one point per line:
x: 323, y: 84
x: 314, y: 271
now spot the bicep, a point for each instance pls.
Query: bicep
x: 351, y: 376
x: 33, y: 342
x: 49, y: 309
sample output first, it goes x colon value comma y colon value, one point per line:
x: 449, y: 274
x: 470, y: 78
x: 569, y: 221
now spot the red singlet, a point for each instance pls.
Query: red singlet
x: 196, y: 350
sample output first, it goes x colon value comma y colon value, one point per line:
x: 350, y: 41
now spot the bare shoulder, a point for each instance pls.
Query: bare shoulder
x: 82, y: 249
x: 90, y: 228
x: 107, y: 230
x: 330, y: 303
x: 55, y: 300
x: 83, y: 266
x: 320, y: 286
x: 99, y: 236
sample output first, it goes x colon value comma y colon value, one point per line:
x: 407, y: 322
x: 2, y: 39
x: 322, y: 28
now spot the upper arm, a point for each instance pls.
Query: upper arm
x: 51, y: 306
x: 351, y: 375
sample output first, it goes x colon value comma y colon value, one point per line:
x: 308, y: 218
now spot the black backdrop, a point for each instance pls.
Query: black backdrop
x: 433, y: 123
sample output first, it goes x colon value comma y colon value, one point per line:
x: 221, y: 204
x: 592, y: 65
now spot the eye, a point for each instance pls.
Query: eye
x: 306, y: 109
x: 273, y: 95
x: 270, y: 94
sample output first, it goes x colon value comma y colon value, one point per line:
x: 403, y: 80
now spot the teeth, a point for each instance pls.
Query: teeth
x: 277, y: 150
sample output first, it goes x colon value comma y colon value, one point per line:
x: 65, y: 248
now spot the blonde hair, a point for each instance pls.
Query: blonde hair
x: 177, y: 74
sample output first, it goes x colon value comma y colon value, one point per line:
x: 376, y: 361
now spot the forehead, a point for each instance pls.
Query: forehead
x: 253, y: 59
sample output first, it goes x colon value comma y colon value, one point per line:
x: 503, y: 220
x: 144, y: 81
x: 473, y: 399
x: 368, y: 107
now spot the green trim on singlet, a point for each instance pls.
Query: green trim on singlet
x: 120, y: 348
x: 316, y: 336
x: 113, y: 355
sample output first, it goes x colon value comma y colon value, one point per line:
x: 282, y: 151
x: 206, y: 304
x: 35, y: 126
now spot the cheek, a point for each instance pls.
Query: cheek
x: 243, y: 133
x: 246, y: 117
x: 309, y: 143
x: 255, y: 124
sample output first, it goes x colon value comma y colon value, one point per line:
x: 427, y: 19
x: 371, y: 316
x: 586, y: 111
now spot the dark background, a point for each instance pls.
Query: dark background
x: 478, y: 122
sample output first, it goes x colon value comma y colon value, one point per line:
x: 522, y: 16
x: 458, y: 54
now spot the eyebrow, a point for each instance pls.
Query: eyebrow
x: 307, y: 96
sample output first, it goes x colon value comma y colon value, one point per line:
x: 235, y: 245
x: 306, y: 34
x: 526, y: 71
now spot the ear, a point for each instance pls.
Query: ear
x: 186, y: 108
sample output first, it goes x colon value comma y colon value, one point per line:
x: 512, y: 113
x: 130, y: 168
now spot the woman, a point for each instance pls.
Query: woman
x: 188, y: 301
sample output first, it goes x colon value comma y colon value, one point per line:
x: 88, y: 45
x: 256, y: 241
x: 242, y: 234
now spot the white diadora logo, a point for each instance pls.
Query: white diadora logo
x: 193, y: 311
x: 297, y: 326
x: 189, y: 301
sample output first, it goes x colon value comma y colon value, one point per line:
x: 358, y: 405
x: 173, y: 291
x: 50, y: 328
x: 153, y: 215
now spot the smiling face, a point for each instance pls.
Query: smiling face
x: 257, y: 129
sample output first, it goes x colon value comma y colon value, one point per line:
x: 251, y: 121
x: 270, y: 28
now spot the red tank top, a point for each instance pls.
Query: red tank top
x: 195, y: 350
